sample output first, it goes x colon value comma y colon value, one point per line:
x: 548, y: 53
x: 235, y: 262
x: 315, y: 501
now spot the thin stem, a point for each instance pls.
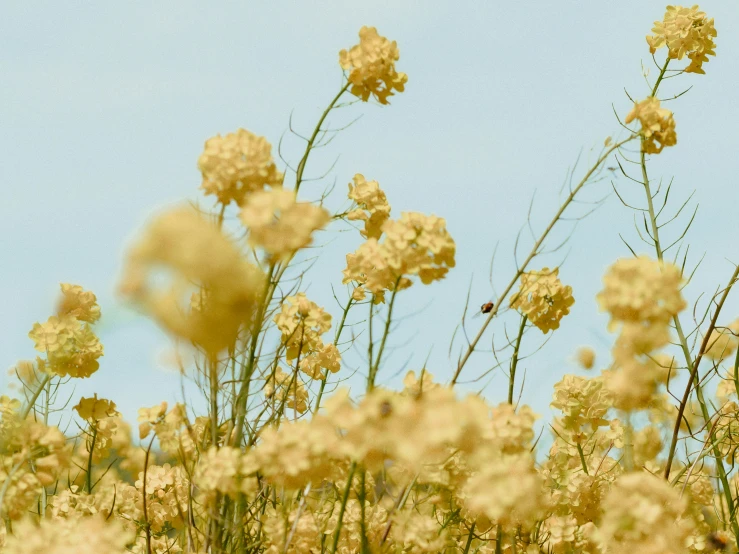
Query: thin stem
x: 534, y: 252
x: 375, y: 367
x: 32, y: 401
x: 339, y: 329
x: 692, y: 364
x: 469, y: 539
x: 89, y: 459
x: 661, y: 76
x: 311, y: 140
x: 342, y: 508
x: 514, y: 359
x: 147, y: 525
x: 582, y: 458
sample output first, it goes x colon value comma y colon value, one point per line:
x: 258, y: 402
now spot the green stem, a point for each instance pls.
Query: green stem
x: 661, y: 76
x: 32, y: 401
x: 342, y: 508
x: 582, y: 458
x: 691, y: 364
x: 311, y: 140
x: 469, y: 539
x: 89, y: 460
x: 514, y: 359
x: 375, y: 367
x: 339, y: 329
x: 532, y: 254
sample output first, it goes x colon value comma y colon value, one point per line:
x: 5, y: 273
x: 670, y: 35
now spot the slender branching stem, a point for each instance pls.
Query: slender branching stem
x: 339, y: 329
x: 514, y: 359
x: 375, y: 365
x: 312, y: 139
x: 342, y: 508
x: 532, y: 254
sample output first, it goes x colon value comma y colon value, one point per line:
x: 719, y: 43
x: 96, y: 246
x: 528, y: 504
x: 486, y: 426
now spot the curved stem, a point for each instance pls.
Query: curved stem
x: 375, y: 366
x: 339, y: 329
x: 514, y: 359
x: 534, y: 252
x: 342, y: 509
x: 312, y: 139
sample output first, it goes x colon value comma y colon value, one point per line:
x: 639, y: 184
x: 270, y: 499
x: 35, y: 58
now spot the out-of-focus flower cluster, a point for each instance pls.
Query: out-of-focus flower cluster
x: 210, y: 290
x: 642, y: 297
x: 279, y: 224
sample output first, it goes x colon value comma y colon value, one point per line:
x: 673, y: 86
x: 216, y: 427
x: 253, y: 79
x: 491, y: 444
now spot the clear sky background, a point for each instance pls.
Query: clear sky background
x: 105, y: 106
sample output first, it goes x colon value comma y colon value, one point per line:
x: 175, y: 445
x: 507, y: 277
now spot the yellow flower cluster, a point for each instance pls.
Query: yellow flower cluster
x: 227, y: 471
x: 237, y: 165
x: 641, y: 290
x: 199, y: 258
x: 94, y: 409
x: 32, y: 456
x: 279, y: 224
x: 416, y: 244
x: 657, y: 125
x: 685, y: 31
x: 642, y: 296
x: 371, y: 66
x: 723, y: 342
x: 372, y: 206
x: 543, y: 298
x: 643, y: 513
x: 91, y: 535
x: 302, y: 322
x: 70, y: 345
x: 286, y: 390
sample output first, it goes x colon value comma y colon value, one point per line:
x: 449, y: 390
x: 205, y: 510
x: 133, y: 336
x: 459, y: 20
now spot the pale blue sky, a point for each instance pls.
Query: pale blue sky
x: 105, y: 106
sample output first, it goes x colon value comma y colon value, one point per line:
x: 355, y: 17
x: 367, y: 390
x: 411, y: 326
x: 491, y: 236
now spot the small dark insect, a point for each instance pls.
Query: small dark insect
x: 487, y: 307
x: 386, y: 409
x: 718, y: 541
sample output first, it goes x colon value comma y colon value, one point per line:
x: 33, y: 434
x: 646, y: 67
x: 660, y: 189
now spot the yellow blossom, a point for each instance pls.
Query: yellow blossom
x: 237, y: 165
x: 372, y: 206
x: 543, y: 298
x: 685, y: 31
x: 193, y: 254
x: 371, y: 66
x: 94, y: 408
x: 279, y: 224
x: 657, y: 125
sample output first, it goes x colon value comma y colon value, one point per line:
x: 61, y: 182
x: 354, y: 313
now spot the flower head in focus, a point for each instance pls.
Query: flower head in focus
x: 95, y: 408
x: 372, y: 206
x: 685, y: 31
x: 415, y: 244
x: 543, y: 298
x: 657, y: 125
x: 643, y: 513
x: 236, y: 165
x: 371, y: 66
